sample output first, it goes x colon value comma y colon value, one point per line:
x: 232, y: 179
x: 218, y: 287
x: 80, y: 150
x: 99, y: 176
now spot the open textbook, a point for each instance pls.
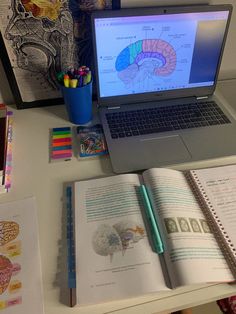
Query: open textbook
x: 114, y: 256
x: 20, y: 271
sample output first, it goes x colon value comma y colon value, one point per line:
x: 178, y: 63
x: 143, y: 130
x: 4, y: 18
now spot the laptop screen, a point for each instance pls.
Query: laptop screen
x: 155, y: 50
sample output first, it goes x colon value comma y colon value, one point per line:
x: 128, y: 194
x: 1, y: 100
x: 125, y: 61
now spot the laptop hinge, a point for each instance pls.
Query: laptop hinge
x: 113, y: 108
x: 108, y: 107
x: 202, y: 97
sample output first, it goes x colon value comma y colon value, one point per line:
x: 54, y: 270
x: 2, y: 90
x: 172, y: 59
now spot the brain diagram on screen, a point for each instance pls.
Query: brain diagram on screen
x: 145, y: 59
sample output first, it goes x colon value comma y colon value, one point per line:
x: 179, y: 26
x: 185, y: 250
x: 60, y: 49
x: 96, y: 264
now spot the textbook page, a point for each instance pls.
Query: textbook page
x: 20, y: 277
x: 113, y: 257
x: 191, y: 251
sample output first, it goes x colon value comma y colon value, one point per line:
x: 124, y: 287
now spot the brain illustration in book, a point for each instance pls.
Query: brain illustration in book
x: 145, y: 58
x: 108, y: 239
x: 186, y: 224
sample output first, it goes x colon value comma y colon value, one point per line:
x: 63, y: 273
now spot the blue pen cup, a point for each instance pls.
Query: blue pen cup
x: 78, y: 103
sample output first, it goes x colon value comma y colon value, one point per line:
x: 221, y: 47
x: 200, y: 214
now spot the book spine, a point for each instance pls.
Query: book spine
x: 8, y: 162
x: 3, y: 140
x: 6, y: 174
x: 70, y: 240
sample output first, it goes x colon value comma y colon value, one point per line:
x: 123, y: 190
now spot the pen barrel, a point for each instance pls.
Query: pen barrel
x: 153, y: 226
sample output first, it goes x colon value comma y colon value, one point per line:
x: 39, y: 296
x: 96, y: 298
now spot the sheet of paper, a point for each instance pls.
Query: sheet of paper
x: 114, y: 259
x: 219, y: 184
x: 20, y: 271
x: 192, y: 253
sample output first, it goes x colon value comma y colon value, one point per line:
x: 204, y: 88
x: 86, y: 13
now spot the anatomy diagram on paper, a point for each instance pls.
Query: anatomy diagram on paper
x: 38, y: 36
x: 43, y: 37
x: 10, y: 268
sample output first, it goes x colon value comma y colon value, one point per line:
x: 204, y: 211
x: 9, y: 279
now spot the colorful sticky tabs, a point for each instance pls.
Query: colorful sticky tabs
x: 61, y: 144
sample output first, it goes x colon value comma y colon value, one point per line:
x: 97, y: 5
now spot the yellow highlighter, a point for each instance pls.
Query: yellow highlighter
x: 73, y: 83
x: 66, y: 80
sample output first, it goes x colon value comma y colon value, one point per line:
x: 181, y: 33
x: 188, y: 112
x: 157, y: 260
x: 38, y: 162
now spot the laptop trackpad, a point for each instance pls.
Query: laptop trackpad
x: 165, y: 149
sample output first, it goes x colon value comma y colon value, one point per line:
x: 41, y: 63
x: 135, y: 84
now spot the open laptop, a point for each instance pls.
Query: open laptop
x: 156, y: 72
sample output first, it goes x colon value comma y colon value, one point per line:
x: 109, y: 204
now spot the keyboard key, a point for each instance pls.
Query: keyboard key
x: 114, y: 135
x: 128, y: 133
x: 121, y: 134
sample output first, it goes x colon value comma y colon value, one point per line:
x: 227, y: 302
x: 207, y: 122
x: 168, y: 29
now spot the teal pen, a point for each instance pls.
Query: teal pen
x: 156, y: 237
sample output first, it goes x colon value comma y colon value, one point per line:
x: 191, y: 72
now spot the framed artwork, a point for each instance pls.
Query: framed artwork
x: 42, y: 37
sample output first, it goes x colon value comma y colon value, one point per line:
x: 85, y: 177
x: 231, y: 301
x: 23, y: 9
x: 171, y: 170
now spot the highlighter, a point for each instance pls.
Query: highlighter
x: 73, y: 83
x: 66, y: 80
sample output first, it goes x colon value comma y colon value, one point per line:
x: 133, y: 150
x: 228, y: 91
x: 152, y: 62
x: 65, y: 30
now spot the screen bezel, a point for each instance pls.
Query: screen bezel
x: 155, y: 96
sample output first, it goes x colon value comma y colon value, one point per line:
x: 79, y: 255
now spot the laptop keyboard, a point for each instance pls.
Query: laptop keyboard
x: 163, y: 119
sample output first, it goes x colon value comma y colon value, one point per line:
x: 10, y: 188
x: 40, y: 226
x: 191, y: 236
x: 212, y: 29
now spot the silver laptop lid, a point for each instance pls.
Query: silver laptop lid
x: 148, y: 54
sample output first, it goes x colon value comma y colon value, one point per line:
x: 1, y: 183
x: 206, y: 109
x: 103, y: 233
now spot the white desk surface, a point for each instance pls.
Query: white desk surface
x: 33, y: 175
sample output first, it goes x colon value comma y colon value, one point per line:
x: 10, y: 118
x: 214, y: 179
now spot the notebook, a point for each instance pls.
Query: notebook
x: 156, y: 73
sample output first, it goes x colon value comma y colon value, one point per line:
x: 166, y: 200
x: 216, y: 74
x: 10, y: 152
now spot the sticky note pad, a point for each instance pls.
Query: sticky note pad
x: 61, y: 144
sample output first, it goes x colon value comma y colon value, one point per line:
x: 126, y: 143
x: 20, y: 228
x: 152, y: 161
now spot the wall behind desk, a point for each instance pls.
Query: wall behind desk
x: 228, y: 66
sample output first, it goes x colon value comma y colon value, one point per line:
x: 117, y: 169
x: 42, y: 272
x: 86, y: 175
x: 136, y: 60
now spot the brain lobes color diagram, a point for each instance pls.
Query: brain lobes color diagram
x: 145, y: 57
x: 109, y: 239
